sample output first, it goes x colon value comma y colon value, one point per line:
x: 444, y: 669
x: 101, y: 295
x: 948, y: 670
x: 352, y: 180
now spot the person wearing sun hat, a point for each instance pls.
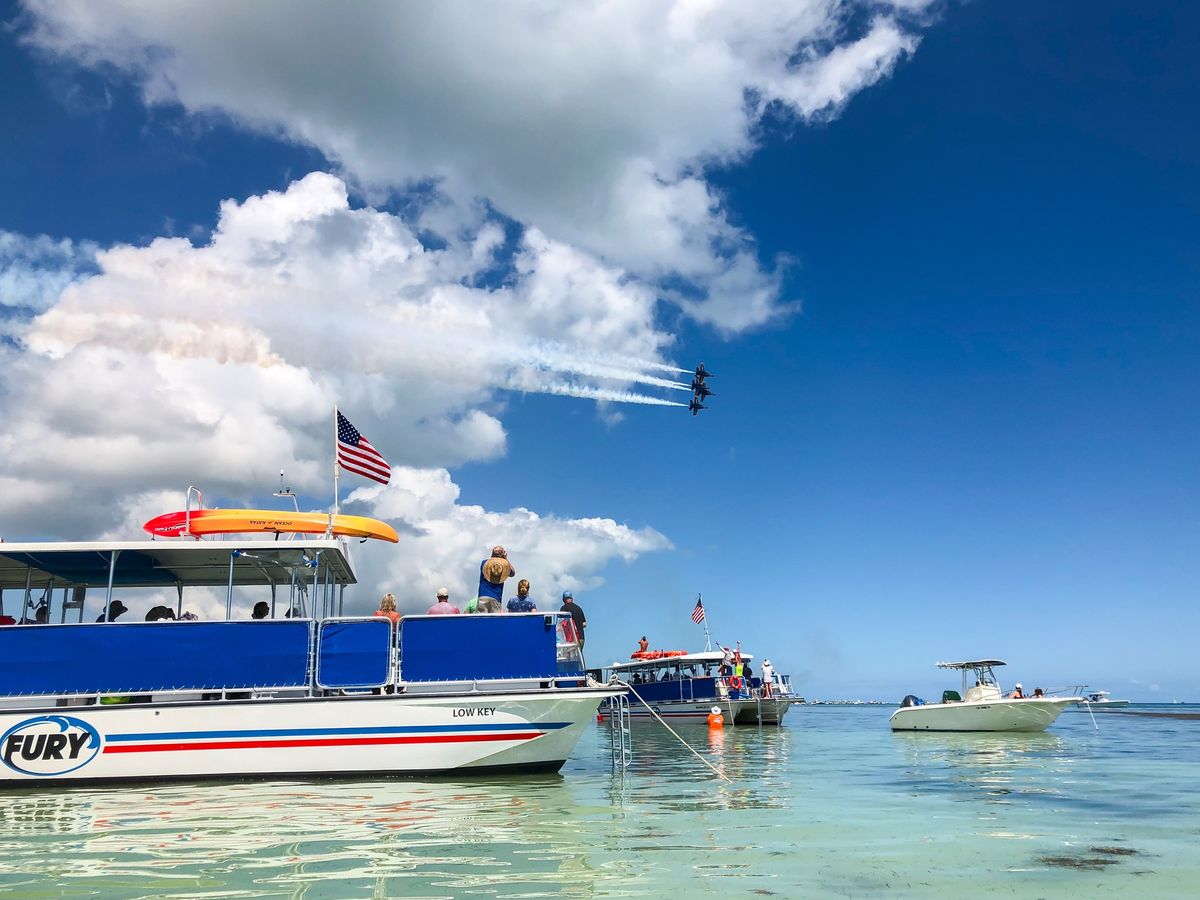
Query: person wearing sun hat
x: 493, y: 572
x: 768, y: 677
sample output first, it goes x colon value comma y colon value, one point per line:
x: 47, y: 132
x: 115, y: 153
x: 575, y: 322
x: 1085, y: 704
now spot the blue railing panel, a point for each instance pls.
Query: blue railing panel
x: 477, y: 647
x: 144, y: 657
x: 354, y: 654
x: 686, y: 689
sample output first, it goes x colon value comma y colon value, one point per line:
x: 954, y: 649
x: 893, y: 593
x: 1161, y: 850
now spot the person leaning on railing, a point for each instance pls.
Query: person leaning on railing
x: 578, y: 619
x: 442, y: 607
x: 521, y: 602
x: 387, y: 608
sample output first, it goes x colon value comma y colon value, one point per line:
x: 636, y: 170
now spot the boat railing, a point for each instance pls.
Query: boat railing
x: 440, y: 653
x: 262, y: 658
x: 567, y: 648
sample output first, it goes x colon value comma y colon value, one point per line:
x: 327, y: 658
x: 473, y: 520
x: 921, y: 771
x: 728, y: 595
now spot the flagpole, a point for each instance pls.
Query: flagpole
x: 707, y: 639
x: 335, y: 467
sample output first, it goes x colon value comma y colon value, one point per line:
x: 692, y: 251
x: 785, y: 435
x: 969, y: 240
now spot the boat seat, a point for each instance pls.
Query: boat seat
x: 951, y: 697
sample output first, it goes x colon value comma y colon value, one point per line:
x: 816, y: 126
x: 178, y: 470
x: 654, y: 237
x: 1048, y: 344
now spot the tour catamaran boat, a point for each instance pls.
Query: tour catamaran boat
x: 310, y: 693
x: 980, y: 707
x: 676, y: 684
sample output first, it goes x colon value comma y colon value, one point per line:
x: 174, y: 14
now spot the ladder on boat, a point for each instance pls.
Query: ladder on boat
x: 620, y: 732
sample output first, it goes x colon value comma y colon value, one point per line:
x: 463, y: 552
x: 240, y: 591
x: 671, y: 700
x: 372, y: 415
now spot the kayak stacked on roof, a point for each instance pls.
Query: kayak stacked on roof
x: 306, y: 691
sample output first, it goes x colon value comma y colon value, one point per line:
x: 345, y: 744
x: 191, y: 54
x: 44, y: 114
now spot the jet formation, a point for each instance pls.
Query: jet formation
x: 700, y: 391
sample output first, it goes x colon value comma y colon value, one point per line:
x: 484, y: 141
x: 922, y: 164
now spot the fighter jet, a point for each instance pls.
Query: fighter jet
x: 702, y: 373
x: 700, y: 389
x: 695, y: 406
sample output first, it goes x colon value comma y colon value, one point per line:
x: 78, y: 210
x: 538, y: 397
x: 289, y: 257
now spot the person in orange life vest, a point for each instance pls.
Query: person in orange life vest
x: 643, y: 644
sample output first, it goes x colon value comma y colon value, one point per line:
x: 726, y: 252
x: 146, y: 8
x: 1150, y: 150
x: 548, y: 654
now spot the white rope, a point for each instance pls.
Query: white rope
x: 672, y: 730
x: 1092, y: 714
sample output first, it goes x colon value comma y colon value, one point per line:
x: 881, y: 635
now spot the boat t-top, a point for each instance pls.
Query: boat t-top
x: 981, y: 706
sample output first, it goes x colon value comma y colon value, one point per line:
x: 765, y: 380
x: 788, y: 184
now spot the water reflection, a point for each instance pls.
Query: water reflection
x: 544, y: 835
x: 267, y: 836
x: 991, y: 766
x: 755, y: 760
x: 833, y: 804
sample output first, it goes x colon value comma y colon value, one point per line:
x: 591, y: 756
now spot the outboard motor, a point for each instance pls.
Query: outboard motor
x: 911, y: 700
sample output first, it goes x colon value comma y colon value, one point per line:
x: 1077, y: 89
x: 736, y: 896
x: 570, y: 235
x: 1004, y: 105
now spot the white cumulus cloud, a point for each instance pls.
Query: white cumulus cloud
x: 219, y: 364
x: 592, y: 121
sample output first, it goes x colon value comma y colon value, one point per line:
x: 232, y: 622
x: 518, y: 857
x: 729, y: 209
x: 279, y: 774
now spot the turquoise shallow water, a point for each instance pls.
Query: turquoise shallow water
x: 833, y: 804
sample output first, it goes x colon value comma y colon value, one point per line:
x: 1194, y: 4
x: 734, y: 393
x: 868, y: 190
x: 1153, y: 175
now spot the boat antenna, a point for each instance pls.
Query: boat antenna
x: 287, y: 492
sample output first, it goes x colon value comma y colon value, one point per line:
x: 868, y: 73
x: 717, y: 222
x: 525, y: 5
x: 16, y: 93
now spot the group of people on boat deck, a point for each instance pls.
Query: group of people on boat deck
x: 493, y: 573
x: 736, y: 671
x: 740, y: 676
x: 1019, y: 694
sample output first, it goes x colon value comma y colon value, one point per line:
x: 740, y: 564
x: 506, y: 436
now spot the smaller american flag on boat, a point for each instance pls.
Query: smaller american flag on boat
x: 698, y: 612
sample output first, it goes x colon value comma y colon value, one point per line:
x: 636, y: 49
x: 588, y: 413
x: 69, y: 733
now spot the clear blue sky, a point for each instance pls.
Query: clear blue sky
x: 977, y: 436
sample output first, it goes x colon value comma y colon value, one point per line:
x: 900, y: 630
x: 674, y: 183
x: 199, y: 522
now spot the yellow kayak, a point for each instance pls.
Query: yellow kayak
x: 243, y: 521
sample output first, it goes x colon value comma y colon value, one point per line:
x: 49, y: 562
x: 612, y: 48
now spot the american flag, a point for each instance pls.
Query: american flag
x: 355, y: 453
x: 698, y: 612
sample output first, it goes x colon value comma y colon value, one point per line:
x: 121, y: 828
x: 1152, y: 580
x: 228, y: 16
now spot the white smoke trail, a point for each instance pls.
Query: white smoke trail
x: 566, y: 389
x: 605, y: 372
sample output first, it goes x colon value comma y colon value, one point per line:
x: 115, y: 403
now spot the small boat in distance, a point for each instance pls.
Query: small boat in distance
x: 981, y: 706
x: 1100, y: 700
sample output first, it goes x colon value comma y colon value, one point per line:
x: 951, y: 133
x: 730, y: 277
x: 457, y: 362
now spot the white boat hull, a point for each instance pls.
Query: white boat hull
x: 1026, y: 714
x: 768, y: 711
x: 685, y: 710
x: 328, y: 736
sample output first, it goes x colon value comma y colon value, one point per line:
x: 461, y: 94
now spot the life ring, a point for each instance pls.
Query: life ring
x: 735, y: 682
x: 640, y: 654
x: 674, y: 653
